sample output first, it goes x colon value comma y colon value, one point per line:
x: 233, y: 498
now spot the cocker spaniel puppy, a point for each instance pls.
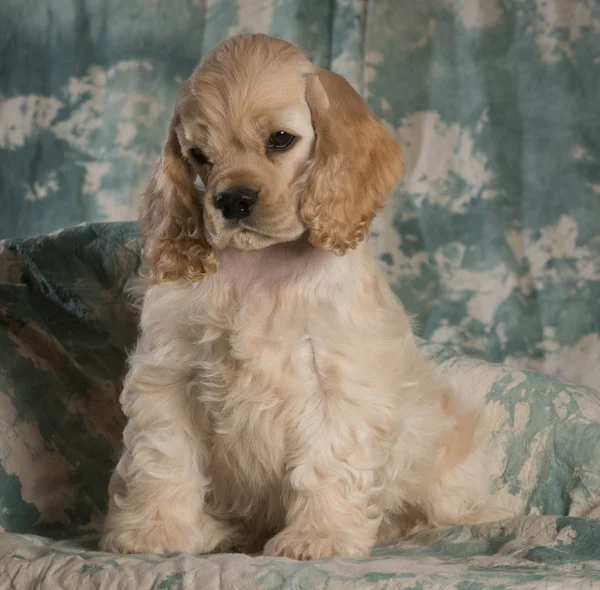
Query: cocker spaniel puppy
x: 276, y: 392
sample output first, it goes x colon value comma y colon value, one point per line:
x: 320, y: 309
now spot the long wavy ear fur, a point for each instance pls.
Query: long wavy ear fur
x: 357, y: 164
x: 171, y: 217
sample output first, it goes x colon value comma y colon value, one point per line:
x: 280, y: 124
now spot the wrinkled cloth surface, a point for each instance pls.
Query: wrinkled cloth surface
x: 65, y: 324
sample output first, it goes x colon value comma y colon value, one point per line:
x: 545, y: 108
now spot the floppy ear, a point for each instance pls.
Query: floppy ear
x: 171, y: 217
x: 357, y: 164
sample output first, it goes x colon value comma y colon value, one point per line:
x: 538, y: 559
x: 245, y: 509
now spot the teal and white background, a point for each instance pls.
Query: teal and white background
x: 492, y: 241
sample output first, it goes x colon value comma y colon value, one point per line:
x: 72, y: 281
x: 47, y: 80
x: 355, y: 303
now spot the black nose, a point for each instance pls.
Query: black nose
x: 236, y: 203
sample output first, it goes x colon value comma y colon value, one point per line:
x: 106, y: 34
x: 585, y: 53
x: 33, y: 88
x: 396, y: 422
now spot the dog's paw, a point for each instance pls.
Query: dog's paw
x: 151, y: 539
x: 307, y: 545
x: 161, y: 537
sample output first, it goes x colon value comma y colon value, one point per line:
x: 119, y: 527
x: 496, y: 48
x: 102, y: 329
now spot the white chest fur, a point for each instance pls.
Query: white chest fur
x: 287, y: 388
x: 277, y: 347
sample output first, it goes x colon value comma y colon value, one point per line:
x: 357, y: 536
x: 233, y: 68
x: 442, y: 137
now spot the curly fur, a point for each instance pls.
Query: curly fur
x: 276, y: 399
x: 357, y: 165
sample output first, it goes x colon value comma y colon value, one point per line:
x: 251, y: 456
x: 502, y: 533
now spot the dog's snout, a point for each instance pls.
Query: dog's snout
x: 236, y: 203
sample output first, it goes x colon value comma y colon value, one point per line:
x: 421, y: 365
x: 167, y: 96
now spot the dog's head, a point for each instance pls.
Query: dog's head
x: 282, y: 148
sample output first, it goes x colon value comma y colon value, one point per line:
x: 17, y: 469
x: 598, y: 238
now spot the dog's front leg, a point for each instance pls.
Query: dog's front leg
x: 156, y: 495
x: 330, y: 491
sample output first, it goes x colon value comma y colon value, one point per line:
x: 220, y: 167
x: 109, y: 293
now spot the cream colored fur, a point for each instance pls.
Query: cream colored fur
x: 282, y: 398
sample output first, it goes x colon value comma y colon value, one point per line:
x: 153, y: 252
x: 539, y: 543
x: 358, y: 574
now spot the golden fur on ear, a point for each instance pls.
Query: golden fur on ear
x: 171, y: 218
x: 357, y: 164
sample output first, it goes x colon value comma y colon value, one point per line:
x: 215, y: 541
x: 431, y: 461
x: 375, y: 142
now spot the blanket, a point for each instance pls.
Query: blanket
x: 65, y: 325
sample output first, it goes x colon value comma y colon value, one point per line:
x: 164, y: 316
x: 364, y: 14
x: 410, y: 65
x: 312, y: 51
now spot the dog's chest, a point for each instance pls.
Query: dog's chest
x: 265, y: 389
x: 268, y: 358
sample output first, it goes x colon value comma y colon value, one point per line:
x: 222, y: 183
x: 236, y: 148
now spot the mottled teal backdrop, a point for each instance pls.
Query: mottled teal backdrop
x: 493, y: 240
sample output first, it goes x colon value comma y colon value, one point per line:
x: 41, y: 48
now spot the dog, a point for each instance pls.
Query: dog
x: 276, y: 399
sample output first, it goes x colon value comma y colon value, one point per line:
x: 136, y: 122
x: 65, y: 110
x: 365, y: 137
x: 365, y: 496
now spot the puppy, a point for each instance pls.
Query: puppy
x: 276, y: 392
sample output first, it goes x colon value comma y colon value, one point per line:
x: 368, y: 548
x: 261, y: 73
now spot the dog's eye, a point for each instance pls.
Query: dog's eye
x: 199, y: 157
x: 281, y: 140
